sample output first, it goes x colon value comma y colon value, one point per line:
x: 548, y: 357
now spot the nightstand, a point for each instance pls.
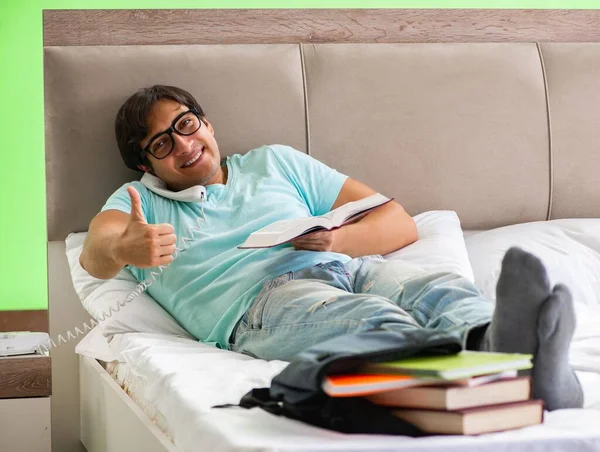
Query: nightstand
x: 25, y: 389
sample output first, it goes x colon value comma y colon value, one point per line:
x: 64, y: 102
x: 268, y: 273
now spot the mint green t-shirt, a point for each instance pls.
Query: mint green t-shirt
x: 212, y: 283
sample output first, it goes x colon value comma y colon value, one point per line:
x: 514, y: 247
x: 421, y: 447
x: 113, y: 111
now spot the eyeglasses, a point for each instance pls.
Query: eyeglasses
x: 185, y: 124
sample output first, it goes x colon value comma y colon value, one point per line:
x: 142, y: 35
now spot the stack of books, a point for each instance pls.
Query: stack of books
x: 468, y: 393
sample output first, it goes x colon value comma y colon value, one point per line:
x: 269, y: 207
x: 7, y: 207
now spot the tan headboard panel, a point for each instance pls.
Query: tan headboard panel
x: 438, y: 126
x: 251, y: 94
x: 573, y: 73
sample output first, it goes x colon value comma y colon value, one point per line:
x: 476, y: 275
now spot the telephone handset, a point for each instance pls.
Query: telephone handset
x: 197, y: 193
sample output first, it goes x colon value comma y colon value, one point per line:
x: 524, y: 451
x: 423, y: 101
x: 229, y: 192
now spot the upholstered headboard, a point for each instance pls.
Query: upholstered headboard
x: 501, y: 132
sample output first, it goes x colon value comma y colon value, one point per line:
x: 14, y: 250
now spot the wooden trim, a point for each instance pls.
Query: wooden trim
x: 274, y: 26
x: 25, y: 376
x: 24, y: 321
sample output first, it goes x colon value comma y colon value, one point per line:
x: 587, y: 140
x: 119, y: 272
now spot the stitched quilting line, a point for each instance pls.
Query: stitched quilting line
x: 306, y: 115
x: 549, y: 119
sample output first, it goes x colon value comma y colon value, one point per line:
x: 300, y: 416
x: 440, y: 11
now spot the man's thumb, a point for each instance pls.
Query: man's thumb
x: 136, y: 205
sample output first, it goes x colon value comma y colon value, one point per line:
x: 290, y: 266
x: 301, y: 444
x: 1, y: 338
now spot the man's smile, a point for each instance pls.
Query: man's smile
x: 195, y: 159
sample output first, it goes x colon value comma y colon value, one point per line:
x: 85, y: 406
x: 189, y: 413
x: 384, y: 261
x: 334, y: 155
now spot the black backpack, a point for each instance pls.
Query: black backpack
x: 296, y: 391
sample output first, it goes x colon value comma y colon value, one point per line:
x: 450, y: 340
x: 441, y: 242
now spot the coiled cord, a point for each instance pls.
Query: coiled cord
x: 45, y: 348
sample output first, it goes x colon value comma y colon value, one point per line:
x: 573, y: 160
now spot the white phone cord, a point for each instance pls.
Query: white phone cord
x: 139, y: 289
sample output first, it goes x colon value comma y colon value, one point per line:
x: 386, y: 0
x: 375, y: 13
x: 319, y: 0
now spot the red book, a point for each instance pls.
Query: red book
x: 455, y: 397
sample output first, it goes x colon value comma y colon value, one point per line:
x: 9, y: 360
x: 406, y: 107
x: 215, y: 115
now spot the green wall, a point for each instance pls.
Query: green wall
x: 23, y: 280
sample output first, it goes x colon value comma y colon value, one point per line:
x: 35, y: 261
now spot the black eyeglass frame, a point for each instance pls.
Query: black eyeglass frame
x: 170, y: 131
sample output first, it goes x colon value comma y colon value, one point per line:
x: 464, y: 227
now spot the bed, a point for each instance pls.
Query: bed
x: 176, y: 382
x: 502, y: 133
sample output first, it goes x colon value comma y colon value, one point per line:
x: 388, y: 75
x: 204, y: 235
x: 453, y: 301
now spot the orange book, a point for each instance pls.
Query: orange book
x: 365, y: 384
x: 359, y: 385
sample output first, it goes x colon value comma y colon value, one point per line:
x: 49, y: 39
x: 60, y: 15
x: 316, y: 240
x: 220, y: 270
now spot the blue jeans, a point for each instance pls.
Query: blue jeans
x: 299, y: 309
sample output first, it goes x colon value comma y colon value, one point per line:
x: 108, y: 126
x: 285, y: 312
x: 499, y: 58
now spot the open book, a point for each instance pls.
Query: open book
x: 285, y: 230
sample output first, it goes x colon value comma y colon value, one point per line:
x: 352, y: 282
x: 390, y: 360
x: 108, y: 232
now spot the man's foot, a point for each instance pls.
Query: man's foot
x: 522, y: 288
x: 530, y: 318
x: 553, y: 379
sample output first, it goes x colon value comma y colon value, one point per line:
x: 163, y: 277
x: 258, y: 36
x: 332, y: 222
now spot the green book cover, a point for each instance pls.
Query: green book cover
x: 449, y: 367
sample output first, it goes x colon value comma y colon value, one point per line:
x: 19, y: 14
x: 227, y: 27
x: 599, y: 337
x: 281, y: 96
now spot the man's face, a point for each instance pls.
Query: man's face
x: 194, y: 160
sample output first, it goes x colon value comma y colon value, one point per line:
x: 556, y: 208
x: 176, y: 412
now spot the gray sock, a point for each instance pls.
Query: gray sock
x: 529, y: 318
x: 553, y: 379
x: 521, y: 290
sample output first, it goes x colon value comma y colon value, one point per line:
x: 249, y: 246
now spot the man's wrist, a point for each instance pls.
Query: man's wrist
x: 339, y: 244
x: 115, y: 251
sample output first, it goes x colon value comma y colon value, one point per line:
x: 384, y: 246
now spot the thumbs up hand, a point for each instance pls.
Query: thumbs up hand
x: 144, y: 245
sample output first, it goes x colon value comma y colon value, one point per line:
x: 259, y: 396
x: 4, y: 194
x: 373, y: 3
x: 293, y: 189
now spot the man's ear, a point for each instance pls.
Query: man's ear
x: 145, y: 169
x: 208, y: 125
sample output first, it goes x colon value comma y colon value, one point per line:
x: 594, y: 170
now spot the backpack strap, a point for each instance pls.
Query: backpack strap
x: 261, y: 397
x: 258, y: 397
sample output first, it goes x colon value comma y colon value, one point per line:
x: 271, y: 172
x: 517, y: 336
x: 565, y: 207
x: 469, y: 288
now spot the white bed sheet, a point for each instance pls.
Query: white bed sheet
x: 178, y: 380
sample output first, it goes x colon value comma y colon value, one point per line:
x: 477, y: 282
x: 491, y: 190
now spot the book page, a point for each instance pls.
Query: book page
x: 354, y: 209
x: 301, y: 224
x: 286, y: 230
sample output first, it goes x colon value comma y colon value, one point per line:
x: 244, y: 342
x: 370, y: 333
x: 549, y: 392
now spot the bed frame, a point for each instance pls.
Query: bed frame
x: 520, y: 89
x: 110, y: 420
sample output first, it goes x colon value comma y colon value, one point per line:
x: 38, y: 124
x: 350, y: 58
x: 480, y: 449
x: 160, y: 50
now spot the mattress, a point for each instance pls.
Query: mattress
x: 177, y: 382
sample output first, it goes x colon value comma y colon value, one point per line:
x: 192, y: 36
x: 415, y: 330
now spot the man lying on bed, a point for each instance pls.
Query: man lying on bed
x: 272, y: 303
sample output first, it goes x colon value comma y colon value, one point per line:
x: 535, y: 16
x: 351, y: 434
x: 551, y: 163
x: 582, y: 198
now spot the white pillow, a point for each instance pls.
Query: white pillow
x: 101, y: 297
x: 440, y: 247
x: 570, y: 250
